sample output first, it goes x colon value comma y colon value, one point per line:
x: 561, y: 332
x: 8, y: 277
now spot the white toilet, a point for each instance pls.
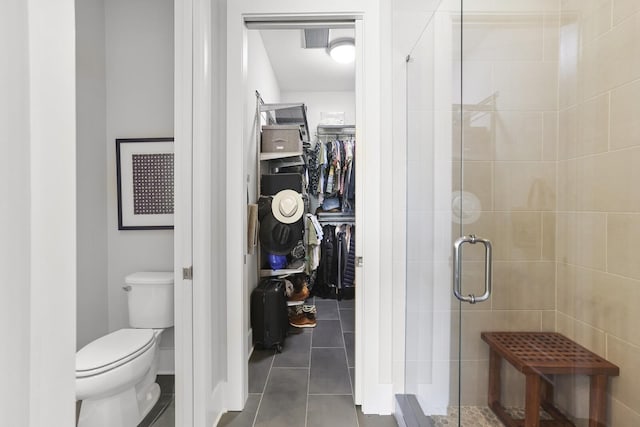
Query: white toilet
x: 115, y: 374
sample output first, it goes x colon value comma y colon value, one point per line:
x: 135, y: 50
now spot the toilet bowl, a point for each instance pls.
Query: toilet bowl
x: 110, y: 378
x: 116, y: 373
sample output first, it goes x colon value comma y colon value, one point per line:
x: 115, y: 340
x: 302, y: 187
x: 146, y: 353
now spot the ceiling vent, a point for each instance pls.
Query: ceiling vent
x: 315, y: 38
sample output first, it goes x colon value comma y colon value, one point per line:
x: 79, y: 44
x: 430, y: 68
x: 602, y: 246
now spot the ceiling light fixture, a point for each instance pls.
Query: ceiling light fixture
x: 343, y: 50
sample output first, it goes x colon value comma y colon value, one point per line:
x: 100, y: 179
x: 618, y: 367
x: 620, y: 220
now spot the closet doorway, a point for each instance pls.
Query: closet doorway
x: 293, y: 81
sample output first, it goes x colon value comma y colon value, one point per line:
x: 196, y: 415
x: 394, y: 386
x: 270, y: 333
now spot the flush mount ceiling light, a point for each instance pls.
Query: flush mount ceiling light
x: 343, y: 50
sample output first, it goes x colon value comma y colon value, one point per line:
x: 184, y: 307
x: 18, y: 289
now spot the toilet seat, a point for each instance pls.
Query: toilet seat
x: 113, y: 350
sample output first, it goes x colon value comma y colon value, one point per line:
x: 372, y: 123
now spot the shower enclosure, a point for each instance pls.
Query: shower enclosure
x: 523, y: 160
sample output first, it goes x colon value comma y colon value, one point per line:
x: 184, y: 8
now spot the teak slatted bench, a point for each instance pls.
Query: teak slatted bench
x: 538, y: 354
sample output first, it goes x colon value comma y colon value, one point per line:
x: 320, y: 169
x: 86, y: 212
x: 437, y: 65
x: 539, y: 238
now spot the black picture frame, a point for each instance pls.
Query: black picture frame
x: 145, y: 180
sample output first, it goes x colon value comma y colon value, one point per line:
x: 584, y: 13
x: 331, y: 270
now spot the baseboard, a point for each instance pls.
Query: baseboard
x: 216, y: 402
x: 216, y: 421
x: 378, y: 399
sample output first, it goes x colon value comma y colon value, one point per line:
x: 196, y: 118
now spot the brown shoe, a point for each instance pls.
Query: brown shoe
x: 301, y: 321
x: 302, y: 295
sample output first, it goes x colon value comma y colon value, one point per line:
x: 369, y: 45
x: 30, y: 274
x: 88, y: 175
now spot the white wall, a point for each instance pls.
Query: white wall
x: 14, y: 192
x: 92, y: 311
x: 139, y: 87
x: 218, y: 356
x: 37, y: 241
x: 323, y: 102
x: 260, y: 77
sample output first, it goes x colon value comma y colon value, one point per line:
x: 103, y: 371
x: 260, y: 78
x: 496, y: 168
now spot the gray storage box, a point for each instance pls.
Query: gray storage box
x: 281, y: 139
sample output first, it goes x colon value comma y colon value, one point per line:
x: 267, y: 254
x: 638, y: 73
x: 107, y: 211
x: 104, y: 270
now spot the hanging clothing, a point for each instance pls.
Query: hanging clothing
x: 323, y: 163
x: 313, y: 230
x: 332, y: 174
x: 349, y: 275
x: 336, y: 269
x: 313, y: 159
x: 348, y: 197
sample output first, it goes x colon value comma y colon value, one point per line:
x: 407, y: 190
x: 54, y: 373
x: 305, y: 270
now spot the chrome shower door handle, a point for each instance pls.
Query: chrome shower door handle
x: 457, y: 268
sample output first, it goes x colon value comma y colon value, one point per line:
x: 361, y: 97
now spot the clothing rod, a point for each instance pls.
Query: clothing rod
x: 343, y: 220
x: 337, y: 223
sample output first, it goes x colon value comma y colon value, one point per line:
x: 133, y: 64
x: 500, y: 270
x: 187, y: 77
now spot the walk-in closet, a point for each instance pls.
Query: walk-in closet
x: 301, y: 160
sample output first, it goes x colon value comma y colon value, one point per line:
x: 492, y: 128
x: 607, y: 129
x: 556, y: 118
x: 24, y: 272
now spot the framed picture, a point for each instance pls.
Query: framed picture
x: 145, y: 183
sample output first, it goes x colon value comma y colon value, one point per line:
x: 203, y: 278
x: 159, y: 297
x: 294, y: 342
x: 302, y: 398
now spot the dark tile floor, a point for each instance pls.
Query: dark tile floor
x: 309, y: 384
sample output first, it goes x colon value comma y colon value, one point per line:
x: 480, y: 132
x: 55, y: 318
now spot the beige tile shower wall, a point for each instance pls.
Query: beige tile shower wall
x: 510, y: 126
x: 598, y: 203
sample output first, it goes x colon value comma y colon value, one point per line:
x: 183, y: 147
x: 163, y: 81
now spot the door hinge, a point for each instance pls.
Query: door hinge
x: 187, y: 273
x: 359, y: 261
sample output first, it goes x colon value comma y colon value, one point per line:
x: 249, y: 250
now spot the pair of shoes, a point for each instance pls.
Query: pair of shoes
x: 309, y: 311
x: 301, y: 295
x: 301, y: 321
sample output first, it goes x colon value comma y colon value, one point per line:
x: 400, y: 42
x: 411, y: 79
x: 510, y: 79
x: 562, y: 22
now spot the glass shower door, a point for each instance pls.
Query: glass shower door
x: 482, y: 105
x: 505, y: 126
x: 431, y: 96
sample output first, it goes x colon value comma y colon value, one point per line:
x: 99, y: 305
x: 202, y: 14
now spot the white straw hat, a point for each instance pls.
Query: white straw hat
x: 287, y: 206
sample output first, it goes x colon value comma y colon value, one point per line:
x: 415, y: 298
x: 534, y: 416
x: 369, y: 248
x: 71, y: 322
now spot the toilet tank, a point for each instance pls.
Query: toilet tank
x: 150, y: 299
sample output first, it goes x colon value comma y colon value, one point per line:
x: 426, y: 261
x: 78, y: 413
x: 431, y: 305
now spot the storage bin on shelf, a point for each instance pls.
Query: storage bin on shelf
x: 281, y: 139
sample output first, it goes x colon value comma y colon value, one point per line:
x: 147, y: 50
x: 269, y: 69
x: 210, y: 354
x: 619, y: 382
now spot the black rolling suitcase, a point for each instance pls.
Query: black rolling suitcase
x: 269, y: 318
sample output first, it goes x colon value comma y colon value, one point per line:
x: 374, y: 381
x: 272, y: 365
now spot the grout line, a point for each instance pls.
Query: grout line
x: 608, y: 94
x: 331, y: 347
x: 330, y: 394
x: 306, y: 410
x: 611, y: 16
x: 346, y: 359
x: 264, y: 388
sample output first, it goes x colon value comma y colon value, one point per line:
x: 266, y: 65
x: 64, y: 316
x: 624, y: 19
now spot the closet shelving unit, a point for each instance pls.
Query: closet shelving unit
x: 324, y: 134
x: 335, y: 218
x: 336, y: 130
x: 278, y: 114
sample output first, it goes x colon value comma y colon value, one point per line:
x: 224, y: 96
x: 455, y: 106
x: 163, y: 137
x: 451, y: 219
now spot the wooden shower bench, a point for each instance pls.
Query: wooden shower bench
x: 540, y: 355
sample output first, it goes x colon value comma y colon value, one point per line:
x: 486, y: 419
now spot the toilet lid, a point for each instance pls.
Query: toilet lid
x: 112, y: 350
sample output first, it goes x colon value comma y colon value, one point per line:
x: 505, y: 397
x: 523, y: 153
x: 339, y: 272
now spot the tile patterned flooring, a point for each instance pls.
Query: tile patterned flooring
x: 472, y: 416
x: 479, y: 416
x: 309, y: 384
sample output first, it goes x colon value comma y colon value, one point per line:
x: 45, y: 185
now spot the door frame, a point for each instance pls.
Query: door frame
x: 183, y: 228
x: 199, y: 241
x: 373, y: 388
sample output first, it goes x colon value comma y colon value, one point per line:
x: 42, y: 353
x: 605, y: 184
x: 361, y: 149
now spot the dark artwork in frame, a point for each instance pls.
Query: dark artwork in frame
x: 145, y: 174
